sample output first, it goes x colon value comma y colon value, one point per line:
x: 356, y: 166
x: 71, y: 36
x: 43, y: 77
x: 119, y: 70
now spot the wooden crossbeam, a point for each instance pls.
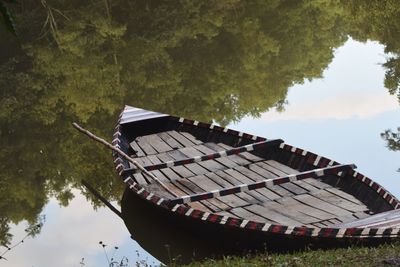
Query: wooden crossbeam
x: 233, y: 151
x: 338, y: 170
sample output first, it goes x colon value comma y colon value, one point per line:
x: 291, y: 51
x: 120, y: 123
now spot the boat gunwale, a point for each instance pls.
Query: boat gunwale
x: 279, y: 229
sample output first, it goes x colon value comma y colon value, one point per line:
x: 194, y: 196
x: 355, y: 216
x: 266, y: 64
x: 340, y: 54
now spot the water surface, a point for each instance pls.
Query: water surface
x: 323, y: 76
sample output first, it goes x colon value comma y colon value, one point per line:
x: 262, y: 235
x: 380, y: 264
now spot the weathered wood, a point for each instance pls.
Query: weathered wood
x: 294, y: 188
x: 224, y: 184
x: 317, y: 183
x: 145, y: 146
x: 243, y: 213
x: 181, y: 139
x: 138, y: 151
x: 339, y: 202
x: 257, y: 177
x: 190, y: 188
x: 281, y: 167
x: 306, y: 209
x: 305, y: 186
x: 246, y: 155
x: 265, y: 193
x: 322, y: 205
x: 344, y: 195
x: 235, y: 158
x: 157, y: 143
x: 290, y: 212
x: 169, y: 140
x: 272, y: 215
x: 182, y: 171
x: 140, y: 179
x: 207, y: 184
x: 196, y: 168
x: 191, y: 138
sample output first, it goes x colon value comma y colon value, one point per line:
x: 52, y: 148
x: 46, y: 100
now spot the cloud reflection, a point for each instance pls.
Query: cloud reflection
x: 72, y: 233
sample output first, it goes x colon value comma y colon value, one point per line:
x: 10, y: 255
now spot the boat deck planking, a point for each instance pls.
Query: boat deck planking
x: 305, y: 202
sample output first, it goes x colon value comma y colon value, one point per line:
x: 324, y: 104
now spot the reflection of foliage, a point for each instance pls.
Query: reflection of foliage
x: 207, y: 60
x: 378, y: 20
x: 392, y: 139
x: 7, y: 17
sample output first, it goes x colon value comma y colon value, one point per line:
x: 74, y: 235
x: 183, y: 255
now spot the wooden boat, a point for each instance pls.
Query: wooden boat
x: 214, y: 180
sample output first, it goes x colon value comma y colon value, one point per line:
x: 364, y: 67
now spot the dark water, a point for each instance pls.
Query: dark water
x: 323, y: 75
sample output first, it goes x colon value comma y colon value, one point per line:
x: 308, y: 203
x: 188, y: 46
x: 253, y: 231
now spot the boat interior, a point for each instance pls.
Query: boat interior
x: 225, y: 160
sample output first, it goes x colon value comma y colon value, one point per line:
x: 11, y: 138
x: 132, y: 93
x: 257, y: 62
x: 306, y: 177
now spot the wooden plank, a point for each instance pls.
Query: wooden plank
x: 338, y: 201
x: 230, y: 178
x: 234, y: 158
x: 207, y: 203
x: 265, y: 193
x: 140, y: 179
x: 196, y: 168
x: 226, y: 161
x: 256, y: 177
x: 212, y: 165
x: 343, y: 194
x: 157, y: 190
x: 153, y: 159
x: 196, y: 189
x: 164, y: 157
x: 160, y: 176
x: 306, y: 209
x: 316, y: 183
x: 182, y: 171
x: 170, y: 174
x: 246, y: 155
x: 247, y: 215
x: 196, y: 205
x: 223, y: 183
x: 157, y: 143
x: 204, y: 149
x: 305, y: 185
x: 138, y: 151
x: 272, y: 215
x: 281, y: 167
x: 262, y: 172
x: 190, y: 152
x: 145, y: 146
x: 181, y: 139
x: 294, y: 188
x: 207, y: 184
x: 290, y: 212
x: 177, y: 154
x: 169, y: 140
x: 322, y: 205
x: 271, y: 169
x: 191, y: 138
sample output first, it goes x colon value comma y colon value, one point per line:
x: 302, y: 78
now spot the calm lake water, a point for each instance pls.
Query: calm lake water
x: 322, y: 75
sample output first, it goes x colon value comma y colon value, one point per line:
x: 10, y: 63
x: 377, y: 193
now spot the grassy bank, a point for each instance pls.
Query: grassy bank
x: 385, y: 255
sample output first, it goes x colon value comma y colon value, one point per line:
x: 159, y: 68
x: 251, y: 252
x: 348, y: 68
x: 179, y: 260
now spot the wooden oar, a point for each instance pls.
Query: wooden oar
x: 124, y: 155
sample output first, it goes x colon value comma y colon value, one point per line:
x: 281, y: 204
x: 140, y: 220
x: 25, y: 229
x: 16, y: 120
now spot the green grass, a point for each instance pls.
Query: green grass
x: 384, y: 255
